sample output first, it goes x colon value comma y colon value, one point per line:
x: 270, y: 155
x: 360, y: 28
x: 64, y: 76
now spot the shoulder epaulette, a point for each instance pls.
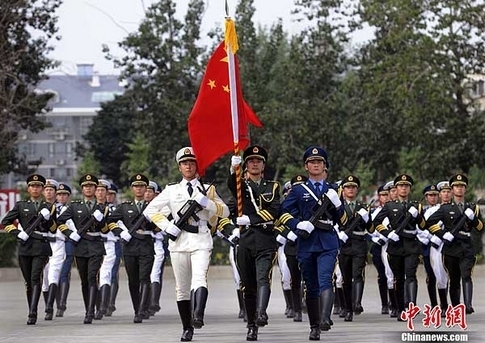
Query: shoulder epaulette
x: 76, y: 202
x: 127, y: 202
x: 23, y: 201
x: 172, y: 183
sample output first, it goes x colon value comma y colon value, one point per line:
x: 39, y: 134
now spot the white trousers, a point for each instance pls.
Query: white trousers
x: 436, y: 260
x: 157, y: 262
x: 109, y: 259
x: 52, y: 270
x: 389, y: 273
x: 190, y: 270
x: 339, y: 279
x: 235, y: 272
x: 284, y: 270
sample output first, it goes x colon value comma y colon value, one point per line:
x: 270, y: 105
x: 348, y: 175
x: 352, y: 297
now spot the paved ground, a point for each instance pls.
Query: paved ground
x: 221, y: 320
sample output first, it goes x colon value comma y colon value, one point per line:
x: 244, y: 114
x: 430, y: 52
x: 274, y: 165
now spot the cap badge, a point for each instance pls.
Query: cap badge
x: 255, y: 150
x: 404, y: 177
x: 298, y: 178
x: 138, y: 177
x: 187, y: 151
x: 458, y: 177
x: 88, y: 177
x: 35, y: 178
x: 315, y: 151
x: 351, y: 178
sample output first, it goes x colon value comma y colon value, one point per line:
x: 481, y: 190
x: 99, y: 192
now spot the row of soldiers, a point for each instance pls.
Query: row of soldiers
x: 316, y: 223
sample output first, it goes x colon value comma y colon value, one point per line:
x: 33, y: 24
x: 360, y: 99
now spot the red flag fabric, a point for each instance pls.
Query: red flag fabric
x: 210, y: 121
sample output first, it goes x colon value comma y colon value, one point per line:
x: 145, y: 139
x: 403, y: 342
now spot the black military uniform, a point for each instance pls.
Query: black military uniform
x: 405, y: 249
x: 353, y: 250
x: 138, y: 250
x: 37, y: 219
x: 256, y: 253
x: 88, y: 219
x: 458, y: 221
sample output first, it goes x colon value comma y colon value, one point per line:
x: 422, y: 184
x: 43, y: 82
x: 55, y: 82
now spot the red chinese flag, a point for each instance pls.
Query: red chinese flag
x: 210, y: 121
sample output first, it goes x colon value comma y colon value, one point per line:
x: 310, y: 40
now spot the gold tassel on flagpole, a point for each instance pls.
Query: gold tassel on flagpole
x: 230, y: 36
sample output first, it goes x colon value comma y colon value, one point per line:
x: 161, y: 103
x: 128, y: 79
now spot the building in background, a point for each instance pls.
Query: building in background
x: 76, y: 101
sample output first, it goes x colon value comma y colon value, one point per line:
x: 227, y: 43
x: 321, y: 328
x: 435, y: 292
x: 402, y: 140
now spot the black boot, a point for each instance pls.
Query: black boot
x: 289, y: 311
x: 252, y: 334
x: 142, y: 306
x: 263, y: 300
x: 455, y: 294
x: 200, y: 297
x: 104, y: 295
x: 313, y: 308
x: 33, y: 304
x: 63, y: 293
x: 155, y: 292
x: 296, y: 295
x: 442, y: 293
x: 467, y: 296
x: 412, y: 291
x: 45, y: 294
x: 250, y: 305
x: 185, y: 313
x: 358, y: 291
x: 326, y: 302
x: 341, y: 296
x: 51, y: 297
x: 348, y: 308
x: 112, y: 299
x: 97, y: 313
x: 382, y: 283
x: 432, y: 292
x: 240, y: 301
x: 93, y: 292
x: 393, y: 301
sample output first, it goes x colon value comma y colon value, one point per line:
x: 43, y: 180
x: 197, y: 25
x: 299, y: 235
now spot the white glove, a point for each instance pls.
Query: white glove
x: 75, y: 236
x: 305, y: 226
x: 424, y: 234
x: 235, y: 161
x: 173, y: 230
x: 45, y: 213
x: 375, y: 239
x: 364, y: 214
x: 423, y: 240
x: 291, y: 236
x: 23, y: 236
x: 393, y: 236
x: 470, y: 214
x: 449, y: 237
x: 343, y: 236
x: 333, y: 197
x: 243, y: 220
x: 280, y: 239
x: 413, y: 211
x: 436, y: 240
x: 98, y: 215
x: 201, y: 199
x: 235, y: 234
x: 125, y: 236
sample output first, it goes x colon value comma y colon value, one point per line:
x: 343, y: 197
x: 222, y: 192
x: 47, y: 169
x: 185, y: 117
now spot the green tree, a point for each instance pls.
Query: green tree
x: 26, y: 27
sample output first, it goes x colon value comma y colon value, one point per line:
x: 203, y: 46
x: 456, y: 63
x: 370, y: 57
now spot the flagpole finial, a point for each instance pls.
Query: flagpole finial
x: 226, y: 7
x: 230, y: 36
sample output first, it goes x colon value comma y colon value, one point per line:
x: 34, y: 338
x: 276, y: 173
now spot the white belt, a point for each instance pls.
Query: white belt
x: 463, y: 233
x: 359, y: 233
x: 94, y: 234
x: 43, y: 234
x: 411, y: 232
x: 329, y: 222
x: 143, y: 232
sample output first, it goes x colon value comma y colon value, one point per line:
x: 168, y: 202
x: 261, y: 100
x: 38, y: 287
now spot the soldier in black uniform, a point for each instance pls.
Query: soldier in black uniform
x: 87, y: 224
x: 138, y: 249
x: 37, y: 219
x: 453, y: 223
x: 404, y: 248
x: 256, y: 253
x: 353, y: 249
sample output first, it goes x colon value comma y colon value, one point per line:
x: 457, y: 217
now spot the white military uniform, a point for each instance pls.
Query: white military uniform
x: 190, y: 253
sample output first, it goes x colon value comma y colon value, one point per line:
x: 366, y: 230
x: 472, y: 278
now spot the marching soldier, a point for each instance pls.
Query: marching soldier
x: 128, y: 222
x: 404, y: 248
x: 311, y: 210
x: 52, y: 270
x: 353, y: 250
x: 63, y: 196
x: 191, y: 240
x: 36, y: 217
x: 109, y: 239
x: 111, y: 199
x: 156, y: 275
x: 256, y: 252
x: 458, y: 219
x: 87, y: 222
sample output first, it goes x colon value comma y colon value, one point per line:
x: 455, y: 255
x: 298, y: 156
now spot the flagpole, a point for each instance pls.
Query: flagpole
x: 230, y: 39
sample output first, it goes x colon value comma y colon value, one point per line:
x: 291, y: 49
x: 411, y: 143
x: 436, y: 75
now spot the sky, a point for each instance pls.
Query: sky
x: 85, y: 25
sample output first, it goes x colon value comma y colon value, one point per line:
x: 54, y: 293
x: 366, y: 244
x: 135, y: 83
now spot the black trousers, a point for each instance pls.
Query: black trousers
x: 255, y: 268
x: 459, y: 268
x: 295, y: 271
x: 88, y: 268
x: 404, y: 269
x: 138, y: 269
x: 32, y: 268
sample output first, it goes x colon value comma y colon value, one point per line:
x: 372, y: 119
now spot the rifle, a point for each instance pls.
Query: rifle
x: 87, y: 224
x: 224, y: 238
x: 458, y: 225
x: 321, y: 210
x: 189, y: 210
x: 30, y: 229
x: 137, y: 224
x: 356, y: 220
